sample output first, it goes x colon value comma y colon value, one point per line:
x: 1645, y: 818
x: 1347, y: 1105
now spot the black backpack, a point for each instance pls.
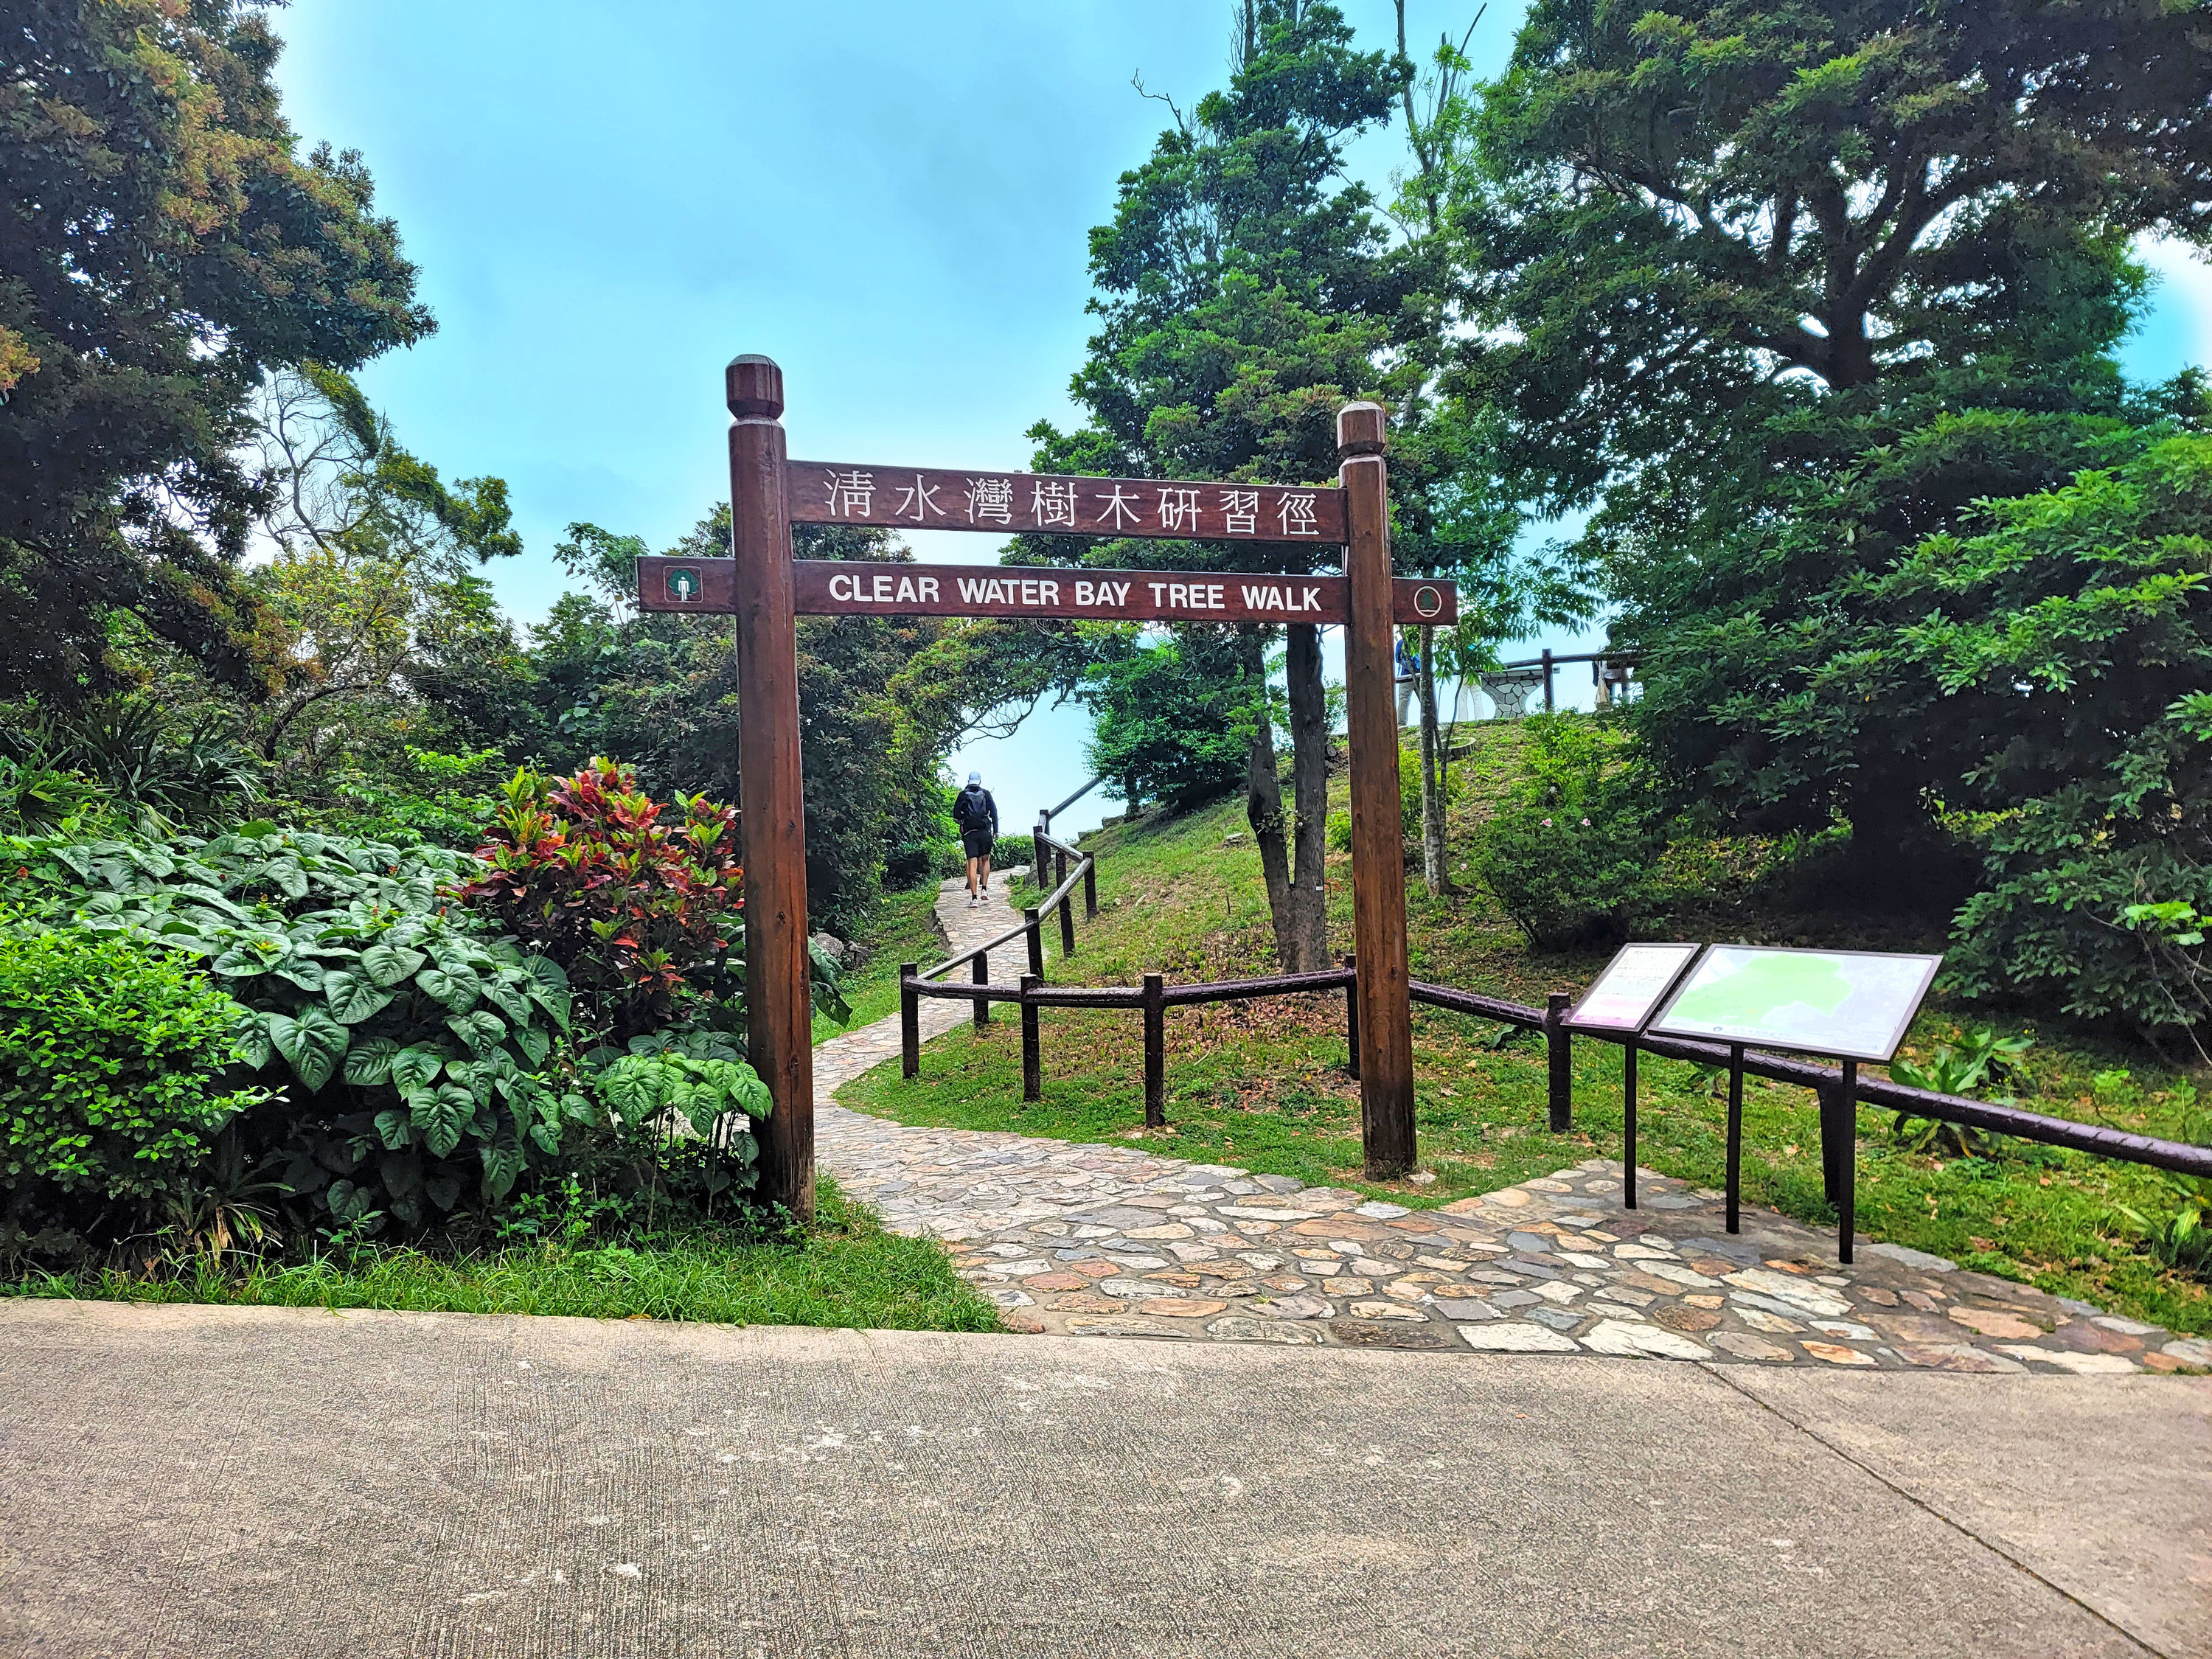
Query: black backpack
x: 971, y: 810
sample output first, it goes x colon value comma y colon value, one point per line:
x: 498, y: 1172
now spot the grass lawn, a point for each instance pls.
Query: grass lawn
x: 1262, y: 1085
x: 847, y: 1272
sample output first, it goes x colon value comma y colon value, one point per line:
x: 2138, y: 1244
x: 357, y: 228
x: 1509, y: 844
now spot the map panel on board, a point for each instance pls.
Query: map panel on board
x: 1854, y: 1005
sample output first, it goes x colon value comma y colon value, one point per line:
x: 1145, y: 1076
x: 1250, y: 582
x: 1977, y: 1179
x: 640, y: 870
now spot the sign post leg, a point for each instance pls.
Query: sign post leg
x: 1847, y: 1161
x: 1628, y: 1107
x: 1378, y: 853
x: 1734, y: 1130
x: 779, y: 1010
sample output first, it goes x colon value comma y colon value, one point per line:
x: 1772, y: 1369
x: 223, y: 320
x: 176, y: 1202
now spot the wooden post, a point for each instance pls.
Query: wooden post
x: 909, y: 1023
x: 1037, y: 943
x: 1559, y: 1049
x: 1351, y: 1020
x: 1067, y: 921
x: 1156, y: 1053
x: 1058, y: 867
x: 1378, y: 852
x: 778, y: 1013
x: 1547, y: 679
x: 982, y: 976
x: 1038, y: 860
x: 1090, y: 890
x: 1032, y: 1080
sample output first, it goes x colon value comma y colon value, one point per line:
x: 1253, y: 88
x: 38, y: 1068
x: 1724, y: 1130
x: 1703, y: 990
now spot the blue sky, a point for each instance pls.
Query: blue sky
x: 609, y: 202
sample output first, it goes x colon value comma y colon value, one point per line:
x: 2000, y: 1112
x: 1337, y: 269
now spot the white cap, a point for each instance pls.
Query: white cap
x: 974, y: 777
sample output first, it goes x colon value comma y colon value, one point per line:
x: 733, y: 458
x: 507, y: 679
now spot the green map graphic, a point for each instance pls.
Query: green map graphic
x: 1753, y: 994
x: 1833, y: 1002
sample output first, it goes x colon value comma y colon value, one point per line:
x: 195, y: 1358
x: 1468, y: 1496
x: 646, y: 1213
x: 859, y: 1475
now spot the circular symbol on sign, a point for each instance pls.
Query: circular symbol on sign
x: 1428, y: 602
x: 682, y: 583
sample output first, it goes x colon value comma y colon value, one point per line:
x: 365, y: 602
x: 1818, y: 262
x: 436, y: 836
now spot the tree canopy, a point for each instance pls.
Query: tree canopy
x: 166, y: 244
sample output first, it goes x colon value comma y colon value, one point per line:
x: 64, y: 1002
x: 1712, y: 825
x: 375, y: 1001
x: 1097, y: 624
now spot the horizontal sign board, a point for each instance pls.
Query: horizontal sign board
x: 1005, y: 503
x: 1634, y: 984
x: 829, y: 588
x: 1853, y: 1005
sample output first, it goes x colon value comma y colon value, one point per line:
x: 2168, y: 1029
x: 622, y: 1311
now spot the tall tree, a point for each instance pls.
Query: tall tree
x: 1244, y: 293
x: 1790, y: 286
x: 166, y: 244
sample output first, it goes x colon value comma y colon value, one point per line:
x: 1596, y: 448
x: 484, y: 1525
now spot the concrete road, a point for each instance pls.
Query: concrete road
x: 207, y: 1481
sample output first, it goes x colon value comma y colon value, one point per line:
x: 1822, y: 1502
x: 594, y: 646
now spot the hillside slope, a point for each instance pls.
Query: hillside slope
x: 1263, y: 1085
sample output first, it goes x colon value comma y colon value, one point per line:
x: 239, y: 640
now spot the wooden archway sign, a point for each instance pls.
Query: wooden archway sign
x: 761, y: 586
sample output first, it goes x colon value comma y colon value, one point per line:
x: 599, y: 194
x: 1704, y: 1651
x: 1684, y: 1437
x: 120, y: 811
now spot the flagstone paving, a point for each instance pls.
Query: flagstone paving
x: 1113, y: 1242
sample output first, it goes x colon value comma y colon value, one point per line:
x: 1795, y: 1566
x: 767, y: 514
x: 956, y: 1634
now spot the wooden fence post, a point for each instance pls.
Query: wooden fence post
x: 779, y: 1007
x: 1032, y: 1081
x: 982, y: 976
x: 1090, y: 890
x: 1156, y: 1053
x: 1037, y: 943
x: 1378, y: 835
x: 1351, y: 1020
x: 1038, y: 862
x: 1561, y: 1055
x: 1547, y: 679
x: 1067, y: 921
x: 909, y: 1023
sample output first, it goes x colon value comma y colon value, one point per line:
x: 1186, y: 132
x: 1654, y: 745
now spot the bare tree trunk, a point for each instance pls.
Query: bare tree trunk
x: 1263, y: 798
x: 1433, y: 868
x: 1310, y: 796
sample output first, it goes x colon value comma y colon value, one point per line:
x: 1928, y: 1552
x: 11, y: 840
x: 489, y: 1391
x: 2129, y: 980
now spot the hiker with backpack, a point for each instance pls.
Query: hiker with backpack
x: 977, y: 816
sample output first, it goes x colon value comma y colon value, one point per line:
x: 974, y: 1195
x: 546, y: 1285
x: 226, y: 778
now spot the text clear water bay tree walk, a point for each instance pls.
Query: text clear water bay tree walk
x: 767, y: 590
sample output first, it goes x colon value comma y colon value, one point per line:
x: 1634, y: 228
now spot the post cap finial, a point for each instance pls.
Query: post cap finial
x: 1362, y: 429
x: 753, y: 386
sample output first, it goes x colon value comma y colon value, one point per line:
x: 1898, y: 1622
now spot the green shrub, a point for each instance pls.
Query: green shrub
x: 1006, y: 853
x: 1569, y: 854
x: 115, y: 1079
x: 424, y: 1056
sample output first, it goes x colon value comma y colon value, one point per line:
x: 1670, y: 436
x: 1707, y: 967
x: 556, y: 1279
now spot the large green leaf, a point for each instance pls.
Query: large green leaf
x: 388, y: 964
x: 635, y: 1087
x: 442, y: 1114
x: 368, y: 1062
x: 312, y: 1044
x: 533, y: 1042
x: 397, y: 1128
x: 457, y: 991
x: 353, y: 997
x: 504, y: 1162
x: 416, y: 1068
x: 481, y: 1031
x: 510, y: 990
x: 246, y: 960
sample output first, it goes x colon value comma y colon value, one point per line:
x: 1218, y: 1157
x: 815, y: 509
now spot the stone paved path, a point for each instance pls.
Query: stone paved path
x: 1109, y: 1241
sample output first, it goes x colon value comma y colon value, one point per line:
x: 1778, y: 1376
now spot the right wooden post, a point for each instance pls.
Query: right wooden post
x: 1378, y: 846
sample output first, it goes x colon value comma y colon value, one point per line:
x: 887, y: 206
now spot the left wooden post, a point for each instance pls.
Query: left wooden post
x: 778, y: 1006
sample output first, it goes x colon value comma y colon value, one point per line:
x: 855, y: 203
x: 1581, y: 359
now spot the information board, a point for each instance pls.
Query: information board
x: 1852, y: 1004
x: 1634, y: 982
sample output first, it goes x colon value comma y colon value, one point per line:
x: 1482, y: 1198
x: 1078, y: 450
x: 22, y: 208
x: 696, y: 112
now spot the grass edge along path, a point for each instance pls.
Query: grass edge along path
x: 847, y: 1272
